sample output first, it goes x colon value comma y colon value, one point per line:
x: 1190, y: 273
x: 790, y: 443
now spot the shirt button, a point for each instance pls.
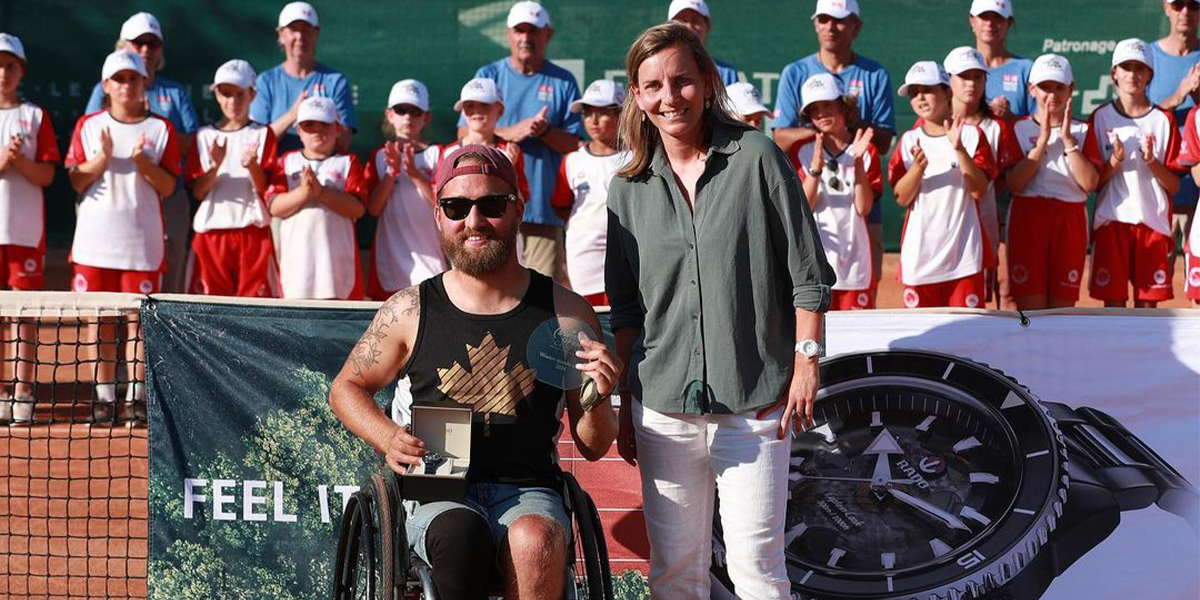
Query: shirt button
x: 697, y: 353
x: 691, y: 246
x: 693, y: 282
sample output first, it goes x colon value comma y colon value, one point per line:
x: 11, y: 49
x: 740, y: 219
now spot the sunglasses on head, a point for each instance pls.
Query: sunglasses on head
x: 405, y: 109
x: 491, y: 206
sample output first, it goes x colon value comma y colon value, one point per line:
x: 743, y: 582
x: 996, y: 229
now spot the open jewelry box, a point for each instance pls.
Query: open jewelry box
x: 446, y: 430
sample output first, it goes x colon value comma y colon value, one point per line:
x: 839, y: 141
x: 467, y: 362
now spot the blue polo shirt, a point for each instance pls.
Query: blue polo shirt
x: 277, y: 91
x: 1169, y: 70
x: 864, y: 78
x: 168, y: 99
x: 524, y: 96
x: 728, y: 72
x: 1011, y: 80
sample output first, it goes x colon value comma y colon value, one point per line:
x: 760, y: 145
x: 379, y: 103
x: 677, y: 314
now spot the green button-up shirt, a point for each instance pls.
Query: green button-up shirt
x: 714, y: 292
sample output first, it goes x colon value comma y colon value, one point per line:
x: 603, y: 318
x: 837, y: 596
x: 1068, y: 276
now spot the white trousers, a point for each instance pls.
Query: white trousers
x: 683, y: 459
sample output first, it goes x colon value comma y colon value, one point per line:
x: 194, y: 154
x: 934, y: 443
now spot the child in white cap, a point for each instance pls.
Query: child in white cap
x: 407, y: 249
x: 939, y: 172
x: 581, y: 193
x: 968, y: 80
x: 747, y: 104
x: 481, y: 105
x: 228, y: 171
x: 122, y: 161
x: 318, y: 194
x: 28, y: 154
x: 1050, y: 183
x: 839, y: 169
x: 1139, y: 145
x: 1190, y: 155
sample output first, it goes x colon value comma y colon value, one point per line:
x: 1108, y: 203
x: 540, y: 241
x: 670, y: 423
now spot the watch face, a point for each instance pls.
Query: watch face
x: 924, y: 472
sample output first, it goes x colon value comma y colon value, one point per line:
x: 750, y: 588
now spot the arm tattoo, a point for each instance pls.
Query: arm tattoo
x: 366, y: 352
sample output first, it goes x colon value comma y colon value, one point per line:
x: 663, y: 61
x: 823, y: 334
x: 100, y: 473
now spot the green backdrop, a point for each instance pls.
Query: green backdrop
x: 442, y: 42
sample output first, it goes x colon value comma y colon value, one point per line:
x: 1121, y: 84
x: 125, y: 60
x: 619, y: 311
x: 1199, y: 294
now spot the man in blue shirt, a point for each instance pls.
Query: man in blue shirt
x: 837, y: 23
x: 1008, y: 75
x: 694, y: 14
x: 282, y: 87
x: 1175, y: 86
x: 537, y: 115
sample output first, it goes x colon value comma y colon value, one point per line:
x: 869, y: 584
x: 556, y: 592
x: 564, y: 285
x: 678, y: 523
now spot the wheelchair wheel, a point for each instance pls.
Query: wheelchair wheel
x: 590, y: 574
x: 363, y: 567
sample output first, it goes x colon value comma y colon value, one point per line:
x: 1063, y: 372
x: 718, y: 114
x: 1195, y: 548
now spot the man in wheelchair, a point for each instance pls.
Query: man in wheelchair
x: 461, y: 336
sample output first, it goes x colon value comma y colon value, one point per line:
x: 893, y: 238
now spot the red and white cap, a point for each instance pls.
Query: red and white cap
x: 924, y: 72
x: 678, y: 6
x: 1000, y: 7
x: 1051, y: 67
x: 140, y: 24
x: 298, y: 11
x: 1132, y: 49
x: 838, y: 9
x: 601, y: 93
x: 122, y: 60
x: 498, y: 165
x: 319, y: 109
x: 480, y: 89
x: 819, y: 88
x: 12, y: 44
x: 963, y: 59
x: 409, y: 91
x: 528, y: 12
x: 746, y: 99
x: 234, y: 72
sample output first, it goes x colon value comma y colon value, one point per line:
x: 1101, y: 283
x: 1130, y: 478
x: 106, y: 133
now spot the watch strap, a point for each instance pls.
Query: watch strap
x: 1134, y: 472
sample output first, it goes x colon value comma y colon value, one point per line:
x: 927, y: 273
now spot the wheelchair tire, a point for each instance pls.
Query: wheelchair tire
x: 589, y: 545
x: 364, y: 566
x: 384, y: 507
x: 345, y: 562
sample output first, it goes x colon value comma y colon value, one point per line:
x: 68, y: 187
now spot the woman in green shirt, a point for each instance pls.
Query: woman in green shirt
x: 716, y: 278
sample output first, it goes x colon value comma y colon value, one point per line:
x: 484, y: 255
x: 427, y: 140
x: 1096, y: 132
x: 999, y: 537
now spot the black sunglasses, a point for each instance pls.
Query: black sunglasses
x: 491, y: 206
x: 404, y: 109
x: 1179, y: 5
x: 148, y: 42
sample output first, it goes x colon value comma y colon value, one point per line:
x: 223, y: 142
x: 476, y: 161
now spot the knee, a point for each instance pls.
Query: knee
x: 459, y: 535
x: 537, y: 538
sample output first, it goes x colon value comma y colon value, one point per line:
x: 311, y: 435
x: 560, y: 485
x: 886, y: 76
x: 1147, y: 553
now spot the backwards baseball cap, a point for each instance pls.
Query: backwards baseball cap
x: 122, y: 60
x: 1000, y: 7
x: 139, y: 25
x: 12, y: 44
x: 480, y: 89
x: 298, y: 11
x: 319, y: 109
x: 678, y: 6
x: 234, y: 72
x: 1132, y: 49
x: 838, y: 9
x: 528, y: 12
x: 963, y: 59
x: 602, y: 92
x: 746, y: 99
x: 819, y: 88
x: 496, y: 165
x: 1051, y: 67
x: 409, y: 91
x: 925, y: 72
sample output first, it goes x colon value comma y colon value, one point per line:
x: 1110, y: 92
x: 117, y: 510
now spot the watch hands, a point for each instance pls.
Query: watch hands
x: 882, y: 446
x: 928, y: 508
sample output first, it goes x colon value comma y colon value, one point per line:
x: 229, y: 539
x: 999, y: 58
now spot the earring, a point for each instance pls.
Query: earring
x: 645, y: 117
x: 707, y: 103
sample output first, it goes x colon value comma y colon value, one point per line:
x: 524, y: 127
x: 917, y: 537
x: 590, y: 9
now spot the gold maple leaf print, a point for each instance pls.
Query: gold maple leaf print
x: 484, y: 384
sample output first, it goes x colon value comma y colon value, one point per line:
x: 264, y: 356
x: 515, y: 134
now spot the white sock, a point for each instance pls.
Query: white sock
x: 106, y: 392
x: 135, y: 391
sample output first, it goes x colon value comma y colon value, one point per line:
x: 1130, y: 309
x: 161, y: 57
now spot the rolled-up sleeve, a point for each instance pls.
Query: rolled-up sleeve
x: 797, y: 242
x: 620, y: 278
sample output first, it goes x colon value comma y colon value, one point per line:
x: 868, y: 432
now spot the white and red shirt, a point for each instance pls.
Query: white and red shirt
x: 943, y: 237
x: 233, y: 203
x: 119, y: 224
x: 445, y: 150
x: 22, y: 208
x: 318, y: 252
x: 1053, y: 178
x: 1132, y: 195
x: 1189, y: 154
x: 407, y: 247
x: 999, y: 134
x: 582, y: 187
x: 843, y: 231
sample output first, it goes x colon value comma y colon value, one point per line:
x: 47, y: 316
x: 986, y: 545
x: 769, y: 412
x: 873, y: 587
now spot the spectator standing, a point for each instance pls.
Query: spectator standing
x: 28, y: 153
x: 537, y: 98
x: 695, y: 15
x: 1007, y: 74
x: 228, y: 169
x: 581, y: 194
x: 283, y: 87
x: 482, y: 107
x: 170, y: 100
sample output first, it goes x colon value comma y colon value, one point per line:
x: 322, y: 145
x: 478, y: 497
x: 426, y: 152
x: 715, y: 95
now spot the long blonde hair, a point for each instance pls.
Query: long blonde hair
x: 637, y: 134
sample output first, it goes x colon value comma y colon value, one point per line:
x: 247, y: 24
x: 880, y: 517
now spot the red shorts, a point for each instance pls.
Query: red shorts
x: 966, y: 292
x: 98, y: 279
x: 234, y: 262
x: 1124, y: 253
x: 21, y: 267
x: 852, y: 299
x: 1047, y: 246
x: 1193, y: 276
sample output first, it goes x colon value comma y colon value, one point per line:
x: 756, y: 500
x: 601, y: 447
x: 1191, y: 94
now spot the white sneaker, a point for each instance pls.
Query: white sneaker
x: 22, y: 409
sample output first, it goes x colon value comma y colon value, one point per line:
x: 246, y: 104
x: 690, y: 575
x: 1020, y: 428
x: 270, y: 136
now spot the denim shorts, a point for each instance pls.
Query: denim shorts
x: 497, y: 503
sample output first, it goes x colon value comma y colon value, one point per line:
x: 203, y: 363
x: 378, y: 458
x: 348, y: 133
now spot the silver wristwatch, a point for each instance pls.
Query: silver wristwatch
x: 810, y: 348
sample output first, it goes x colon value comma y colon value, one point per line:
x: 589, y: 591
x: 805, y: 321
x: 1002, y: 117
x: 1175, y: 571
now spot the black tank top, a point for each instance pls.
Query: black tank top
x: 479, y: 360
